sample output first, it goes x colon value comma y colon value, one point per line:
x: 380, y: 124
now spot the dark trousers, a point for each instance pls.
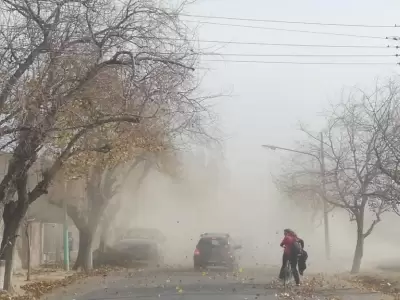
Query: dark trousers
x: 302, y: 262
x: 293, y: 265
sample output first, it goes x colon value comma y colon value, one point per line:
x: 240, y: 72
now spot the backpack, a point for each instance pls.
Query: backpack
x: 296, y: 248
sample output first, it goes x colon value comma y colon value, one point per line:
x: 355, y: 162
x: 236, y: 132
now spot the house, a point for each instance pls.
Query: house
x: 45, y: 226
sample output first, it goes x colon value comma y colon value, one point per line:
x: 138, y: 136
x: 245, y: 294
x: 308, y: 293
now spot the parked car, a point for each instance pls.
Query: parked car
x: 130, y: 252
x: 216, y: 250
x: 144, y: 233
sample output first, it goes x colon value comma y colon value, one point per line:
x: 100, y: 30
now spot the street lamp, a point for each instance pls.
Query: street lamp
x: 272, y: 147
x: 321, y: 161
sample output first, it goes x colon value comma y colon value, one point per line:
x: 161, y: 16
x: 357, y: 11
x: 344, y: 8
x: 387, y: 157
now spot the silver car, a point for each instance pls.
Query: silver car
x: 131, y: 252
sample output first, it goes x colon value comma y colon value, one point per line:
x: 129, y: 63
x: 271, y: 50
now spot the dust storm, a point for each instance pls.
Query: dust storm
x: 209, y: 197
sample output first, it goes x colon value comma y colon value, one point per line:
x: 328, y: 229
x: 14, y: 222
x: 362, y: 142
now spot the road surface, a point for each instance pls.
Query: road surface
x: 185, y: 284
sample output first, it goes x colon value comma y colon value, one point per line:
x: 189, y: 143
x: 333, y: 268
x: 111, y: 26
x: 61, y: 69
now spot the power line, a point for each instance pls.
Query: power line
x: 259, y: 21
x: 293, y: 30
x: 296, y: 30
x: 260, y: 44
x: 288, y: 22
x: 300, y: 63
x: 72, y: 53
x: 76, y: 52
x: 285, y: 45
x: 298, y: 55
x: 239, y: 43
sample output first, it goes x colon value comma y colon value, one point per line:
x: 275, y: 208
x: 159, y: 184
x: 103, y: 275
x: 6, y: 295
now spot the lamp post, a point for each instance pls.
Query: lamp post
x: 321, y: 161
x: 65, y: 232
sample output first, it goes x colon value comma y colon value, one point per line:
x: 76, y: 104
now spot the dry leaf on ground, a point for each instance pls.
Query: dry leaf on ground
x: 377, y: 284
x: 35, y: 290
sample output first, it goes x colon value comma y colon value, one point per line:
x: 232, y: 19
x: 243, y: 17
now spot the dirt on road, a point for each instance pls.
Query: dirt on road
x: 259, y: 282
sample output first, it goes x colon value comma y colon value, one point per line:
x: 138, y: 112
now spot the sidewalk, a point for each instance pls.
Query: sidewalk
x: 20, y: 284
x: 45, y: 280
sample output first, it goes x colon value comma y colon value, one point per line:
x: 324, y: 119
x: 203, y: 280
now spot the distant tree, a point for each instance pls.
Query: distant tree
x: 301, y: 182
x: 383, y: 104
x: 354, y: 181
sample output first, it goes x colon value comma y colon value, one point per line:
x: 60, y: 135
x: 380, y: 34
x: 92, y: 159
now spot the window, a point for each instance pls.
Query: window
x: 213, y: 242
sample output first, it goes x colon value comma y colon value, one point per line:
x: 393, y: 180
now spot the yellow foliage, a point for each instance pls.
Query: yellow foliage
x: 104, y: 98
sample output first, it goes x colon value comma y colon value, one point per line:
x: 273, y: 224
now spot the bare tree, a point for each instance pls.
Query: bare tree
x: 383, y: 104
x: 54, y: 59
x: 354, y: 181
x: 301, y: 182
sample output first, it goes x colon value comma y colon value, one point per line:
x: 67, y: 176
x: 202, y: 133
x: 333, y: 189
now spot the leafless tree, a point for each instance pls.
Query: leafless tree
x: 383, y: 104
x: 57, y: 99
x: 354, y: 181
x: 300, y: 180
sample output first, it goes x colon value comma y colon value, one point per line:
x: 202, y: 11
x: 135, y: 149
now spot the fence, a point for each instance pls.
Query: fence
x: 53, y: 250
x: 52, y: 243
x: 46, y: 240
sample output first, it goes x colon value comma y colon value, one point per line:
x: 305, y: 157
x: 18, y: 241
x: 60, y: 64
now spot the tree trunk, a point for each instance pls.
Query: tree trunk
x: 12, y: 216
x: 359, y: 251
x: 8, y: 255
x: 86, y: 233
x: 84, y: 250
x: 103, y: 240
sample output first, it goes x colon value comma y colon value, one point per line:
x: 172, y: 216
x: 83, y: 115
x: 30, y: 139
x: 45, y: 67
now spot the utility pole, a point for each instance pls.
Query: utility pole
x: 65, y: 231
x: 325, y: 204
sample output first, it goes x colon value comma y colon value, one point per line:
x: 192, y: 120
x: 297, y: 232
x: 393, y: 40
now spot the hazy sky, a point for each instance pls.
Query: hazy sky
x: 268, y: 100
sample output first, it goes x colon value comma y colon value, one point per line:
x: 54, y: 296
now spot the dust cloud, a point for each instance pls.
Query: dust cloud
x: 210, y: 199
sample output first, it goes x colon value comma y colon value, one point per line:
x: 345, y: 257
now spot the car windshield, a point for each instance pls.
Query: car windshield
x: 212, y: 242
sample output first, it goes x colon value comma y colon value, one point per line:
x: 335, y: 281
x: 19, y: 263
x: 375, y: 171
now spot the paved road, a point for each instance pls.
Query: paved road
x: 212, y: 285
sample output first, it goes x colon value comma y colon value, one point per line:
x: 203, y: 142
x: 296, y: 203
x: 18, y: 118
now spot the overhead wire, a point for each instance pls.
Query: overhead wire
x: 244, y: 43
x: 75, y: 52
x: 283, y: 44
x: 257, y: 20
x: 304, y: 31
x: 297, y: 55
x: 296, y: 62
x: 286, y: 21
x: 291, y: 30
x: 396, y: 38
x: 72, y: 53
x: 300, y: 63
x: 148, y: 52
